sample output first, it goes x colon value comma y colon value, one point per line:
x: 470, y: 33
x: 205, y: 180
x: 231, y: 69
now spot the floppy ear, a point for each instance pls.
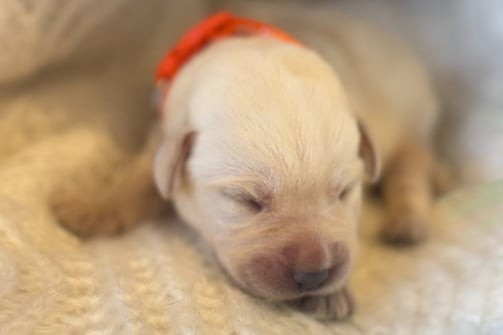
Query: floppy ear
x: 169, y: 160
x: 368, y: 153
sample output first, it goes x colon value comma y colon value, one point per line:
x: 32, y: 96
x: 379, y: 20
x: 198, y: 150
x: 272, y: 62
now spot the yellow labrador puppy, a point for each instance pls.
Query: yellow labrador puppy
x: 265, y: 146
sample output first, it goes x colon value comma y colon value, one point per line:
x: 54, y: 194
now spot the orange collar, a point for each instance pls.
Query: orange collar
x: 215, y: 27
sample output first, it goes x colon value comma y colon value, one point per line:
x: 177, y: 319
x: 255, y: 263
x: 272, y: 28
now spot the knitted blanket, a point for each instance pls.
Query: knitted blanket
x: 75, y: 81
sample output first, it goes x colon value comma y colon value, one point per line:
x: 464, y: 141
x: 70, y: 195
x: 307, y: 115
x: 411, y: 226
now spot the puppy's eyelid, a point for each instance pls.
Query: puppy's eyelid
x: 255, y: 205
x: 345, y: 191
x: 250, y: 202
x: 244, y: 198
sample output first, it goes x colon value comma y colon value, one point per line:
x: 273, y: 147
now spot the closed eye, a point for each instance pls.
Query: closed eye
x: 254, y: 205
x: 345, y: 192
x: 243, y: 198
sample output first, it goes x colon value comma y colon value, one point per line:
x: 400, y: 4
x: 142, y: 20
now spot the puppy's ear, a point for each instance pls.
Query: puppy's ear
x: 368, y: 153
x: 169, y: 160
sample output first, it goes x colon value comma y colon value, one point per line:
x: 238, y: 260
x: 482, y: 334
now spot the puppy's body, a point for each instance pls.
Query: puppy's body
x: 265, y: 148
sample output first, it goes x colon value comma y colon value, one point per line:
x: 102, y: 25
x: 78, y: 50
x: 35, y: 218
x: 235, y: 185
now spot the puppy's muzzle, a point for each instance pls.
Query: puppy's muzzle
x: 312, y: 262
x: 305, y: 265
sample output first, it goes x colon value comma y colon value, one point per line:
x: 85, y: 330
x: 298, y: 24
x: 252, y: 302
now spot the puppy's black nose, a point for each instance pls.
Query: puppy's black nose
x: 309, y: 281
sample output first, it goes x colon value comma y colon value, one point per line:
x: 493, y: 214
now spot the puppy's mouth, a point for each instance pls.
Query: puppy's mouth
x: 273, y: 280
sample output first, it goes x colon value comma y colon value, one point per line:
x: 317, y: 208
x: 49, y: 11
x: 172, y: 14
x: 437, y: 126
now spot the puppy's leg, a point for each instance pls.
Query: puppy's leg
x: 408, y: 191
x: 112, y: 202
x: 336, y: 306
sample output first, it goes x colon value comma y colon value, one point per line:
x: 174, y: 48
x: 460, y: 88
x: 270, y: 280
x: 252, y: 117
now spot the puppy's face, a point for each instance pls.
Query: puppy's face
x: 273, y: 180
x: 281, y: 231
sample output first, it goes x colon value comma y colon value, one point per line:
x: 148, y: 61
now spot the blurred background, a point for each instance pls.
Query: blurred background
x: 61, y: 47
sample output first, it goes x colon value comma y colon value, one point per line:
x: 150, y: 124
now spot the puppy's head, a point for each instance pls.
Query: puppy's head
x: 269, y: 169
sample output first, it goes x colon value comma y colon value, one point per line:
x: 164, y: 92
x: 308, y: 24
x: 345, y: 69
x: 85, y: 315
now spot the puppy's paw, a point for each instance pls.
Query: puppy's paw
x: 337, y: 306
x: 74, y: 214
x: 85, y: 218
x: 110, y: 222
x: 405, y: 229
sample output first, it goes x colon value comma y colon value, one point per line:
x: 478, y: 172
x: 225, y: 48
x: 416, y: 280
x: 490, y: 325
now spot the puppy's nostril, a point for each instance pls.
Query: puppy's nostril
x: 309, y: 281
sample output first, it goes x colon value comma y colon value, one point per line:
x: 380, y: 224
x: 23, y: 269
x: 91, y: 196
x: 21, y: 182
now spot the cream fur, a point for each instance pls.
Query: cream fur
x: 273, y: 121
x: 273, y: 118
x: 276, y: 119
x: 262, y: 153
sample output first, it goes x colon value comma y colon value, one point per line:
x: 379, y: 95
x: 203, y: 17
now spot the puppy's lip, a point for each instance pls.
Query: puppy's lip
x: 281, y: 288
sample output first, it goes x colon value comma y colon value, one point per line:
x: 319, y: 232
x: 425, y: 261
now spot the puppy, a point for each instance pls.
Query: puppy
x: 264, y: 149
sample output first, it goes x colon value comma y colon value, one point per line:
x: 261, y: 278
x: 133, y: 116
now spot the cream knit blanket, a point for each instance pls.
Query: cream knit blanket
x: 66, y: 82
